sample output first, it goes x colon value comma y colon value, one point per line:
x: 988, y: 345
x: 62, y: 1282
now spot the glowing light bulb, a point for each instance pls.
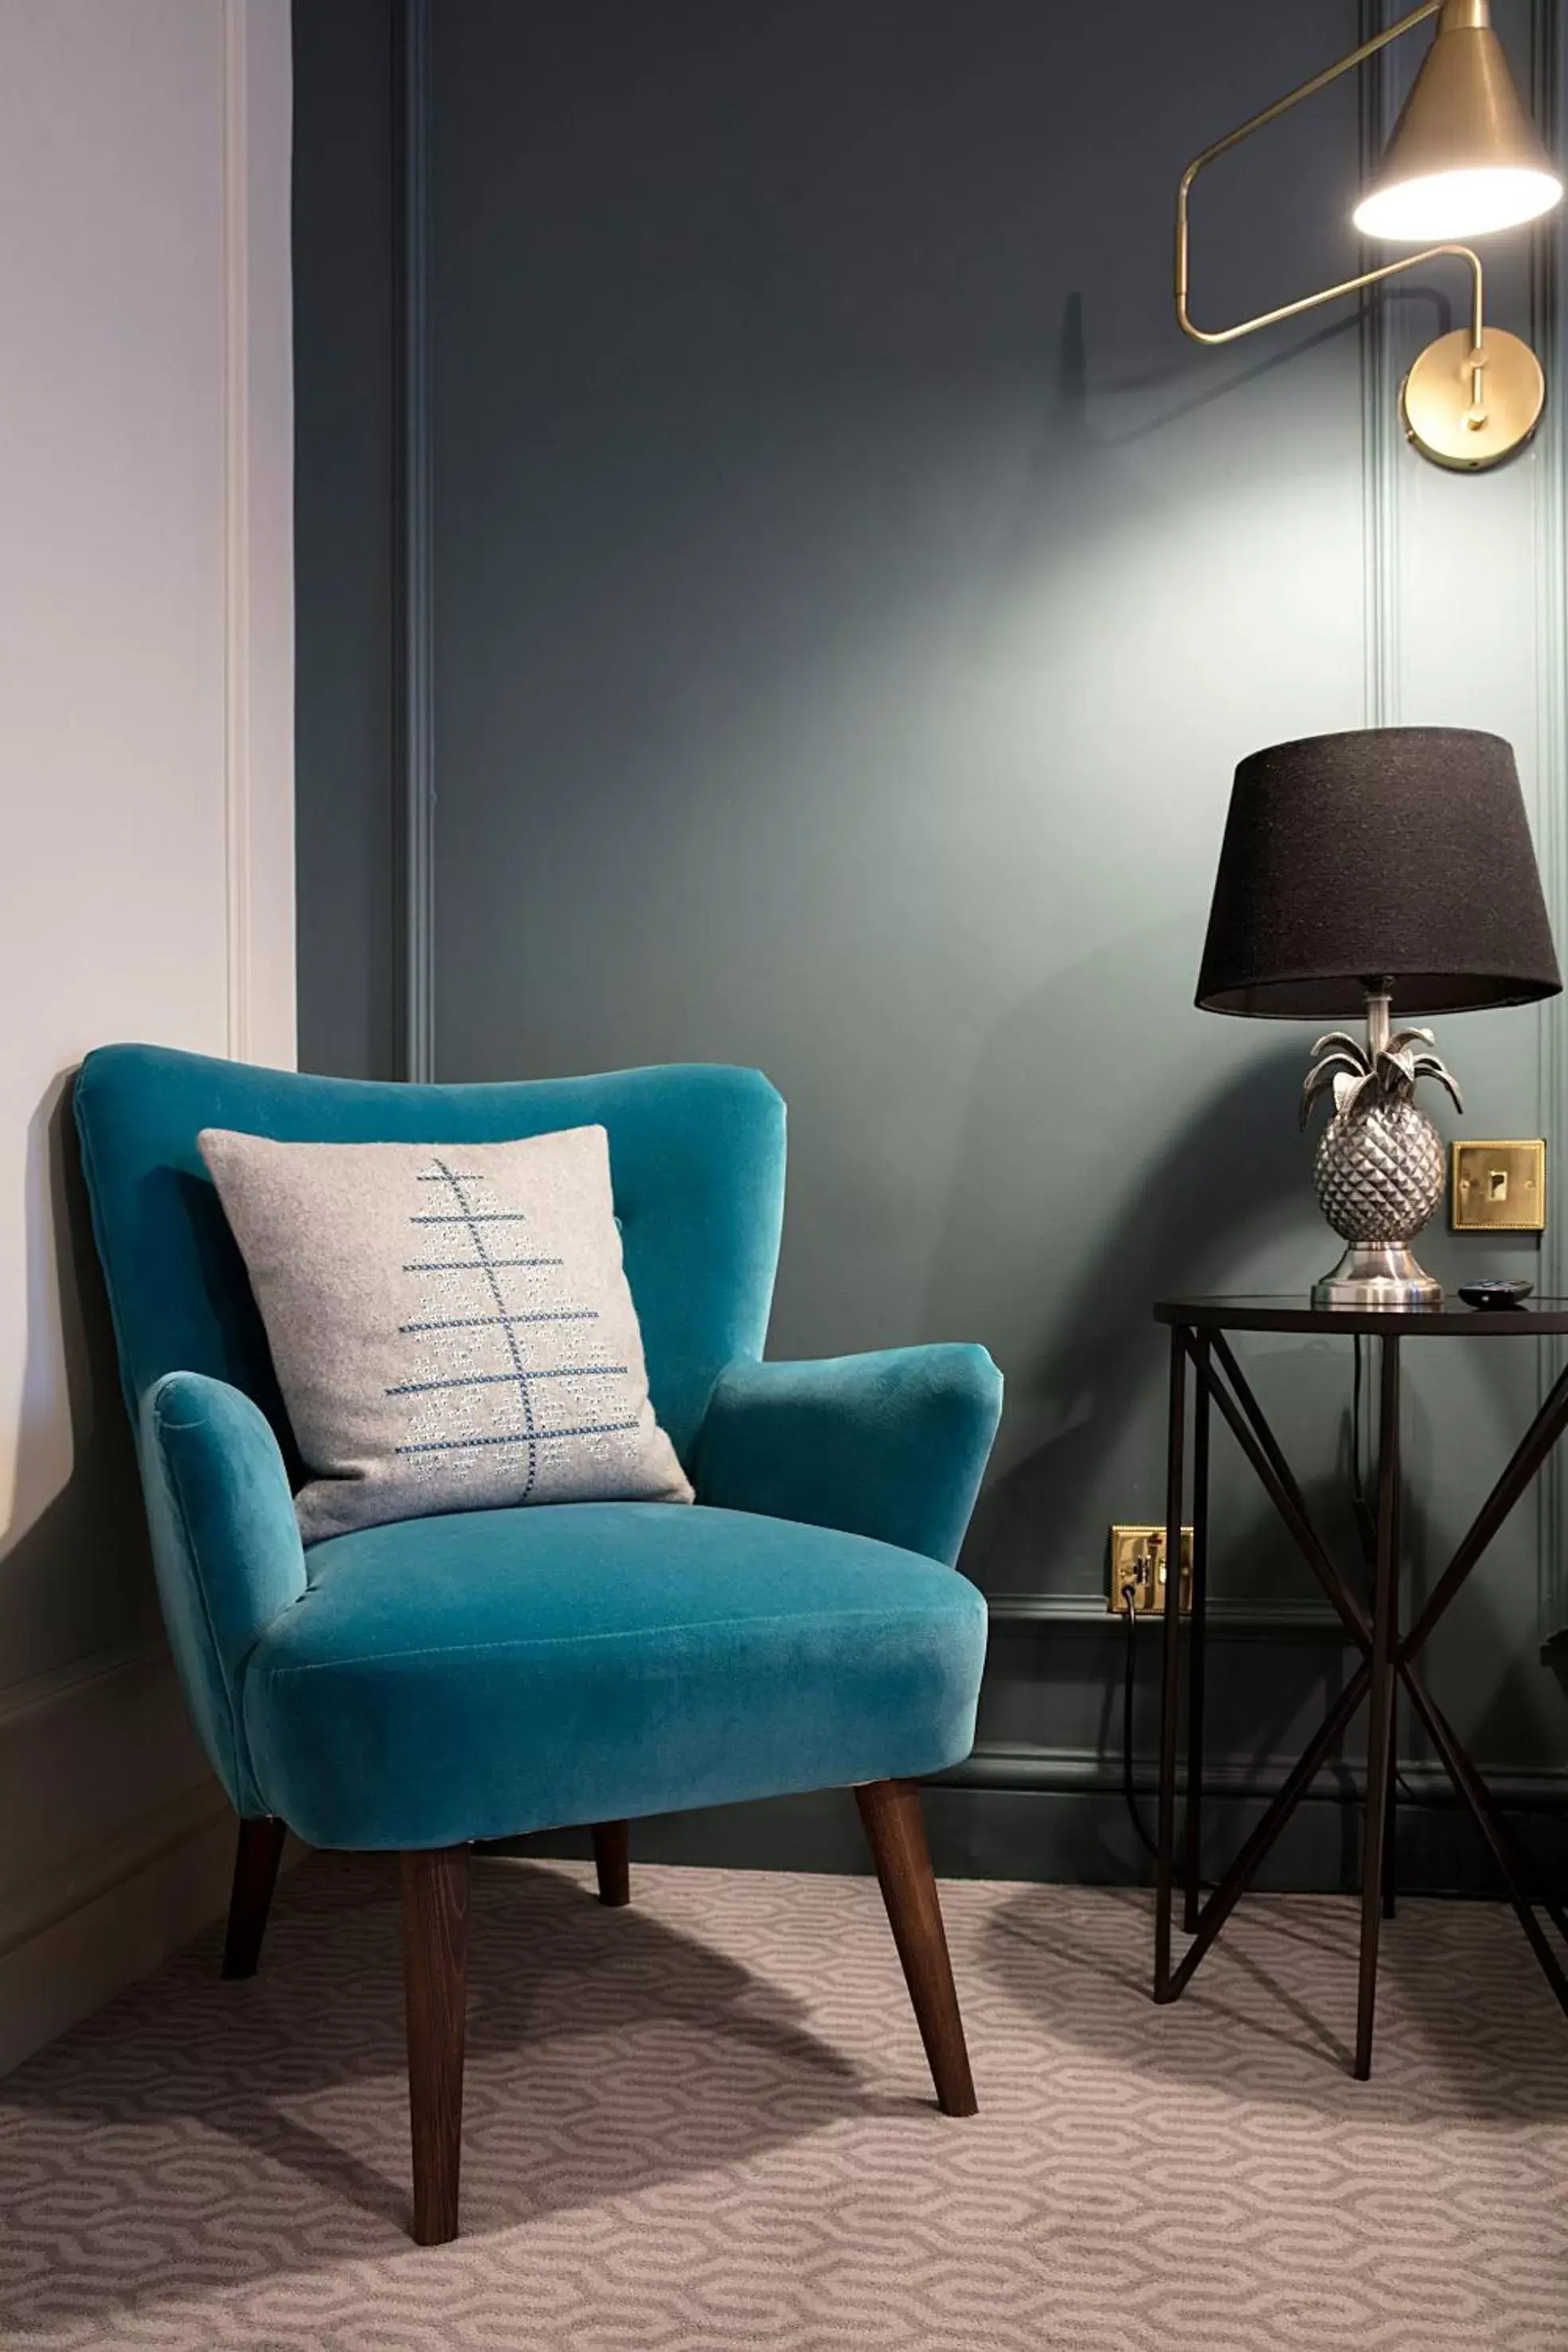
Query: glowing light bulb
x: 1436, y: 205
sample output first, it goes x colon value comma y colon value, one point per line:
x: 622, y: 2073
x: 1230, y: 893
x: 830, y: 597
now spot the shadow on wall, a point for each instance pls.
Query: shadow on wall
x: 75, y: 1575
x: 1171, y: 1198
x: 1434, y: 304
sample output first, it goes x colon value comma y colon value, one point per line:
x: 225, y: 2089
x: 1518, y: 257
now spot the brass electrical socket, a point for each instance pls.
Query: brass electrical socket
x: 1498, y: 1187
x: 1138, y: 1557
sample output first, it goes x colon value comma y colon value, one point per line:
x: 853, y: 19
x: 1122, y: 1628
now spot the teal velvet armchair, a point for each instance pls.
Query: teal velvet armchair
x: 418, y: 1687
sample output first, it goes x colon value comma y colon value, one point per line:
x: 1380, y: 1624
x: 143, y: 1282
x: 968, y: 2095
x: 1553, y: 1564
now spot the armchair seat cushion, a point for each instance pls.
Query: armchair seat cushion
x: 484, y: 1673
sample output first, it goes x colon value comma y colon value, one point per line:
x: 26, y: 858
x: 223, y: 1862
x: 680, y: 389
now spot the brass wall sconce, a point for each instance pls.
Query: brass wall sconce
x: 1464, y: 160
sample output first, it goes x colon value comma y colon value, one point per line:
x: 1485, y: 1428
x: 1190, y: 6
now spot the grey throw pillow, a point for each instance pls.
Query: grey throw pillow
x: 451, y: 1324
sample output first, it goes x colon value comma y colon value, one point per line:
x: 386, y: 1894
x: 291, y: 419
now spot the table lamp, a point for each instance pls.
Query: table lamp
x: 1387, y: 868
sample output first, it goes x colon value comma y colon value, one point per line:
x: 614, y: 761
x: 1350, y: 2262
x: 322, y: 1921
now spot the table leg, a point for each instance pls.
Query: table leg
x: 1391, y: 1816
x: 1170, y: 1691
x: 1470, y: 1787
x: 1380, y: 1700
x: 1525, y: 1464
x: 1260, y: 1841
x: 1256, y: 1441
x: 1391, y: 1812
x: 1198, y: 1643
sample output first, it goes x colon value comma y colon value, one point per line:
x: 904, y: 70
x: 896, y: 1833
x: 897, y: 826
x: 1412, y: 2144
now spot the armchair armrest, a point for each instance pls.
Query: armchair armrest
x: 889, y: 1445
x: 225, y: 1545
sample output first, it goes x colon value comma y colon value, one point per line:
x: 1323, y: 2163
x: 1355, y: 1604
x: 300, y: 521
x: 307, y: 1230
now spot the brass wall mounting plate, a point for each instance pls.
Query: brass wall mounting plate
x: 1436, y: 399
x: 1498, y: 1187
x: 1138, y: 1558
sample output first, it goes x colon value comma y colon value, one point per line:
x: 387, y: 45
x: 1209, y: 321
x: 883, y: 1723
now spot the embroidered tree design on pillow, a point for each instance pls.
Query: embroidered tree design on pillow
x: 502, y: 1355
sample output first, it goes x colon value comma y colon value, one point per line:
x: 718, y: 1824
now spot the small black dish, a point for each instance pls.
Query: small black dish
x: 1495, y: 1293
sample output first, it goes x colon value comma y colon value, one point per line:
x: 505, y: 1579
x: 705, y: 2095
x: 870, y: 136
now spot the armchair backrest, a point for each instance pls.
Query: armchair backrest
x: 697, y: 1157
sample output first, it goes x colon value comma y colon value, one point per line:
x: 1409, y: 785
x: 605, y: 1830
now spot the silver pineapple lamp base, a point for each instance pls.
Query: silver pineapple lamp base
x: 1377, y: 1273
x: 1379, y: 1169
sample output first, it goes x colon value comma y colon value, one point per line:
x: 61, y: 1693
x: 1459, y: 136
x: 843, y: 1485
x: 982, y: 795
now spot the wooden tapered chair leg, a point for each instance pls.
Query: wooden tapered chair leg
x: 256, y: 1858
x: 613, y: 1860
x: 435, y: 1985
x: 895, y: 1829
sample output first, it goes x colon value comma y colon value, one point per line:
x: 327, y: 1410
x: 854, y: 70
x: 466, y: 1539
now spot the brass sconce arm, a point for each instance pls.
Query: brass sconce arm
x: 1330, y: 293
x: 1349, y: 285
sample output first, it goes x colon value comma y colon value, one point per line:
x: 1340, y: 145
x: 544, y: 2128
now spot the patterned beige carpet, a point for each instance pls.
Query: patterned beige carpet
x: 705, y: 2123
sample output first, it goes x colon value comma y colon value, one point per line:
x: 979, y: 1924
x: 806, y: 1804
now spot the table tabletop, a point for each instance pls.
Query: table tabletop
x: 1451, y: 1319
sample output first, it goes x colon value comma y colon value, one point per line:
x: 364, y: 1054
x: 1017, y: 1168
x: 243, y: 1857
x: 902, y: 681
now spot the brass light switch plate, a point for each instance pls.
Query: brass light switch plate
x: 1138, y: 1559
x: 1498, y: 1187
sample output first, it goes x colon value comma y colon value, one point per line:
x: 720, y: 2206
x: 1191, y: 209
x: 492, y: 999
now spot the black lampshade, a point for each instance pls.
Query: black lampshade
x: 1396, y: 851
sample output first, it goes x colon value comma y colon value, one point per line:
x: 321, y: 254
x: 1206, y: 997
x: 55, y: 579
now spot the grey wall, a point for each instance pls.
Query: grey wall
x: 851, y: 596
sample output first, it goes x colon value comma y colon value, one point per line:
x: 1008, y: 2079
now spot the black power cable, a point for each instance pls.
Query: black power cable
x: 1129, y: 1609
x: 1366, y: 1518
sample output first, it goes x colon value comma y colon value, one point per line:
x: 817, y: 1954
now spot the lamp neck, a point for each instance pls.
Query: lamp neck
x: 1379, y: 1003
x: 1464, y: 16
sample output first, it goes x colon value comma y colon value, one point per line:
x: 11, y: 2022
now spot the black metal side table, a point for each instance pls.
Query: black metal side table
x: 1199, y: 1341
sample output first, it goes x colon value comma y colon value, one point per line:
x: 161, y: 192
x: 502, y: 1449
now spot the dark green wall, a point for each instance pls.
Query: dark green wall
x: 346, y: 392
x: 850, y: 598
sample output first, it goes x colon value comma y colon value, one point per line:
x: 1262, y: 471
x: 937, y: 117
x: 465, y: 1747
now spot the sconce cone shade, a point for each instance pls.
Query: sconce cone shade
x: 1465, y: 157
x: 1395, y: 853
